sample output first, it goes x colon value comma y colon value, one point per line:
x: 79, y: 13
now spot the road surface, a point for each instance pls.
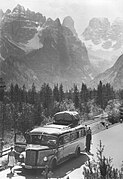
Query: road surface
x: 111, y: 138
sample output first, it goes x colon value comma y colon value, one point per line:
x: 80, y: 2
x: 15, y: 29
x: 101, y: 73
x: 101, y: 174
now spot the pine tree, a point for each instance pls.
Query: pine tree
x: 56, y: 93
x: 12, y: 93
x: 61, y: 93
x: 24, y: 94
x: 76, y: 97
x: 37, y: 113
x: 46, y: 97
x: 25, y: 119
x: 69, y: 94
x: 99, y: 99
x: 102, y: 168
x: 33, y: 94
x: 84, y: 93
x: 43, y: 94
x: 16, y: 94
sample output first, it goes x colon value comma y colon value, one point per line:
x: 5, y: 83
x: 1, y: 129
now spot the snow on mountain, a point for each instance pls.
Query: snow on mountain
x: 104, y: 41
x: 32, y: 44
x: 101, y: 32
x: 43, y: 49
x: 90, y: 45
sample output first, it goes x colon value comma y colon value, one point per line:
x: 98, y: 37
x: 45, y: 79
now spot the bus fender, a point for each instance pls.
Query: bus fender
x: 53, y: 163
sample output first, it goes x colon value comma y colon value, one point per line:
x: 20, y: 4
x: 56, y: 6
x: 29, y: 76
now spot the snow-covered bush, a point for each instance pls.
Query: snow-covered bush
x: 102, y: 168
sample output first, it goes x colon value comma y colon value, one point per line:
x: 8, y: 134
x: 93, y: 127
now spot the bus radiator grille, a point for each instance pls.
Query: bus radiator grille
x: 31, y: 157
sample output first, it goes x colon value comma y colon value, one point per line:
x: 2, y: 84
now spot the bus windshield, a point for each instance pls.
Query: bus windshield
x: 43, y: 139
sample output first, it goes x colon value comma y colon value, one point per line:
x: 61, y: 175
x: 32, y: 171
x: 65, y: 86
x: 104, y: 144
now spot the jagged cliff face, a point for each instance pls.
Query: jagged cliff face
x: 14, y: 71
x: 113, y: 75
x: 108, y: 35
x: 20, y: 27
x: 68, y: 22
x: 104, y: 41
x: 43, y: 50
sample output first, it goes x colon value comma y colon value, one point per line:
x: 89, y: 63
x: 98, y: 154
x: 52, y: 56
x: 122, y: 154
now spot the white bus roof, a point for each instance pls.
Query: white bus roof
x: 54, y: 129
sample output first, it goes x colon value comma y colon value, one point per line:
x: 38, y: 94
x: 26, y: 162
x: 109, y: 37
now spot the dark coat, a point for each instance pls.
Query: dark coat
x: 88, y: 140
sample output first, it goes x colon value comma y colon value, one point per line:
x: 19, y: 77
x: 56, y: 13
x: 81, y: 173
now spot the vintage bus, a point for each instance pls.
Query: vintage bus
x: 54, y: 143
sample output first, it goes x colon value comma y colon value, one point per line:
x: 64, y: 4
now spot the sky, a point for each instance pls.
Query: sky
x: 80, y: 10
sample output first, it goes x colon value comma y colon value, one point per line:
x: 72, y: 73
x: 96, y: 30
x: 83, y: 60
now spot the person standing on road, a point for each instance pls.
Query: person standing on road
x: 11, y: 159
x: 88, y: 139
x: 86, y: 127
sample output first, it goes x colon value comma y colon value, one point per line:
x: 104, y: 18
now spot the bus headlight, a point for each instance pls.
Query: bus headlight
x: 45, y: 159
x: 21, y: 156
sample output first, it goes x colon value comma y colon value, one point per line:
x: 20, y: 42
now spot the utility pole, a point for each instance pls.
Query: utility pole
x: 2, y: 88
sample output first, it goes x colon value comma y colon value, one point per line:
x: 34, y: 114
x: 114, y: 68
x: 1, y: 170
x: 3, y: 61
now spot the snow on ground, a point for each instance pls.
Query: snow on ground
x: 112, y: 140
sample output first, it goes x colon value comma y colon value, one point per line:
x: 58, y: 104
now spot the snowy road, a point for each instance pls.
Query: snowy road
x: 112, y: 138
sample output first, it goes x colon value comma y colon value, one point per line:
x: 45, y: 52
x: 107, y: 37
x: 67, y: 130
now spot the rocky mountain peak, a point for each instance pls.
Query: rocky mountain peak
x: 99, y: 22
x: 49, y: 22
x: 113, y: 75
x: 102, y: 33
x: 117, y: 26
x: 1, y: 13
x: 21, y: 25
x: 57, y: 22
x: 19, y: 9
x: 8, y: 11
x: 118, y: 20
x: 96, y: 30
x: 69, y: 23
x: 45, y: 49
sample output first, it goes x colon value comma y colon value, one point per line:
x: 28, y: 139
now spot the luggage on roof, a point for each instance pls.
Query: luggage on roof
x: 67, y: 118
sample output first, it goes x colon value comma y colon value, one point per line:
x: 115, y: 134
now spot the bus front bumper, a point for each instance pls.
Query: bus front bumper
x: 32, y: 167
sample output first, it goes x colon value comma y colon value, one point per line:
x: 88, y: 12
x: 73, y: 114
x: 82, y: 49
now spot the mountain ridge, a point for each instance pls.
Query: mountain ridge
x: 113, y: 75
x: 48, y: 47
x: 103, y: 40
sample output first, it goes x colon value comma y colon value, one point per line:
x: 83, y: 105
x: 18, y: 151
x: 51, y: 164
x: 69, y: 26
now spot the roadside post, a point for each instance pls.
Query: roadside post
x: 2, y: 87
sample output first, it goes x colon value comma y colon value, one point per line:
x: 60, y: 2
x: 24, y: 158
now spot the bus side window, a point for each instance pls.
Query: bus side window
x: 73, y: 136
x: 61, y: 141
x: 66, y: 138
x: 77, y: 134
x: 83, y: 133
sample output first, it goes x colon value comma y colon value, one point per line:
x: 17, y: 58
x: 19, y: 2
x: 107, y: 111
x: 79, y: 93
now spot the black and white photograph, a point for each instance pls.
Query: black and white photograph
x: 61, y: 89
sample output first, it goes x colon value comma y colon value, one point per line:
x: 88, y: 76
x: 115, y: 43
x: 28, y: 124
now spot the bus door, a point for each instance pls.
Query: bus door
x: 67, y: 146
x: 60, y: 149
x: 19, y: 142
